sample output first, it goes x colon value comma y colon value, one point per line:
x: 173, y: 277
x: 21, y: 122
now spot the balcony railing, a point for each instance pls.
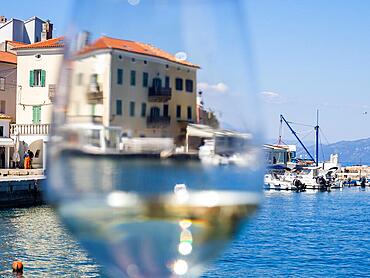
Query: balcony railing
x: 94, y: 94
x: 158, y: 121
x: 159, y: 94
x: 29, y: 129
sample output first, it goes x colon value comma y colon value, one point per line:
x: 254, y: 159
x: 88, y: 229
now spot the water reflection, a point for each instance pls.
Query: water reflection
x: 36, y: 237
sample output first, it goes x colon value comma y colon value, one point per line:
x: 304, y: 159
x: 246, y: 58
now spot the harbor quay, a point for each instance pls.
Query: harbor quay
x: 21, y: 187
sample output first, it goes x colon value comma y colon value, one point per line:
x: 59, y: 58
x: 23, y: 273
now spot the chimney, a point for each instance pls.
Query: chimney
x: 47, y: 31
x: 82, y: 40
x: 2, y: 20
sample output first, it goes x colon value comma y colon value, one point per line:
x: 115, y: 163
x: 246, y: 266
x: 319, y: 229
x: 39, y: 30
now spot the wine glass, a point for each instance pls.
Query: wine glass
x: 154, y: 160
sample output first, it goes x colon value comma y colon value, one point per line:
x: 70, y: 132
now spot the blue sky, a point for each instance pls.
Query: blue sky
x: 304, y: 55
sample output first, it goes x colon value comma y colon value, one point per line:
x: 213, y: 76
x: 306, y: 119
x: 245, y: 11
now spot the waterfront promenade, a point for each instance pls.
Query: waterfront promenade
x: 21, y: 187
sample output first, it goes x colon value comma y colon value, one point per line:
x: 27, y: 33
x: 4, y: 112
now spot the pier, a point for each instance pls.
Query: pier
x: 21, y: 187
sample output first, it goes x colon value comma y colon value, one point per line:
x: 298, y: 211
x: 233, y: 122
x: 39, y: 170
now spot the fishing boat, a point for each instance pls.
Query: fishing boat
x: 302, y: 175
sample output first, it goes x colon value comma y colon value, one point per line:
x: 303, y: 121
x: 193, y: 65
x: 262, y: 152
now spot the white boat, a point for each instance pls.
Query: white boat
x: 302, y: 178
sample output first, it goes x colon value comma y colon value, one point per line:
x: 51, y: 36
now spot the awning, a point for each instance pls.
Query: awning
x: 204, y: 131
x: 6, y: 142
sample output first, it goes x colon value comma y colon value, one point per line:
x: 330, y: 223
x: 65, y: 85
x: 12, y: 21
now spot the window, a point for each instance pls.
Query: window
x: 189, y: 85
x: 165, y: 110
x: 119, y: 76
x: 178, y: 111
x: 37, y: 154
x: 143, y: 109
x: 189, y: 113
x: 2, y: 131
x: 79, y: 79
x: 145, y: 79
x: 132, y: 108
x: 179, y: 84
x: 37, y: 78
x: 118, y: 107
x: 36, y: 114
x: 167, y: 82
x: 154, y: 112
x: 2, y: 83
x: 2, y: 107
x: 133, y: 78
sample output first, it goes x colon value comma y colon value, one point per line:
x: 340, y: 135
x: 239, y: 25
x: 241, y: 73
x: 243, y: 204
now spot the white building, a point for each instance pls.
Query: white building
x: 27, y: 31
x: 6, y: 144
x: 38, y: 67
x: 136, y: 86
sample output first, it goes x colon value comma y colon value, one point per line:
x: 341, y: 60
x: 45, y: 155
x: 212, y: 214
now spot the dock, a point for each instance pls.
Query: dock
x: 21, y: 187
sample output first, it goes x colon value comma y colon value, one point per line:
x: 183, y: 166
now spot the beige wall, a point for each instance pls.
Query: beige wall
x: 79, y: 110
x: 105, y: 63
x: 155, y: 68
x: 9, y: 72
x: 28, y: 96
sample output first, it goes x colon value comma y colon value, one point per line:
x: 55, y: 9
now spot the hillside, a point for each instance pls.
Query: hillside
x: 350, y: 152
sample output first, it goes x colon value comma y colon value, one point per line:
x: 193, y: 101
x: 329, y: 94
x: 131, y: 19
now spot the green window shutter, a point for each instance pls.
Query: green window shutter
x: 43, y: 74
x: 39, y: 114
x: 31, y: 78
x: 33, y: 114
x: 36, y: 114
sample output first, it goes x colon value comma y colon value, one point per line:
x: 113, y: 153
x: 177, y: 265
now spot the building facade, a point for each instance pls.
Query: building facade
x: 37, y: 74
x: 6, y: 144
x: 142, y: 89
x: 27, y: 31
x: 8, y: 84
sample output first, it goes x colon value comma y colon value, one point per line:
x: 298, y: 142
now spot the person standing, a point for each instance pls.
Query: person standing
x: 27, y: 160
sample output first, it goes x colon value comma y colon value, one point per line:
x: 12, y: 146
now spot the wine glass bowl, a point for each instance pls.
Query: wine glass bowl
x: 154, y: 158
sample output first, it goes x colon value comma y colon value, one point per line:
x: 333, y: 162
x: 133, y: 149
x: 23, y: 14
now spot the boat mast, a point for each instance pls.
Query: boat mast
x: 296, y: 136
x: 317, y: 137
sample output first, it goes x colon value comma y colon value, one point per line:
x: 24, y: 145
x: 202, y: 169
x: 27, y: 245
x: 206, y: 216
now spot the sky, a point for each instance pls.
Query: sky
x: 258, y: 58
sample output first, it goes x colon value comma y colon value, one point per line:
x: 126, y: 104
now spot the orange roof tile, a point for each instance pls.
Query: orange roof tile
x: 56, y: 42
x: 134, y: 47
x: 15, y: 44
x: 8, y: 57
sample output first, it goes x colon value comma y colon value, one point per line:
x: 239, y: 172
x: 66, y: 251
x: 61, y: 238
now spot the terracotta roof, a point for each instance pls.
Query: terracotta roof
x: 5, y: 117
x: 15, y: 44
x: 8, y: 57
x: 134, y: 47
x: 57, y: 42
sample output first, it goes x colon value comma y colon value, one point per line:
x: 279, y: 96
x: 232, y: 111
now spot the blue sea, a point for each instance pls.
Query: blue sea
x: 309, y: 234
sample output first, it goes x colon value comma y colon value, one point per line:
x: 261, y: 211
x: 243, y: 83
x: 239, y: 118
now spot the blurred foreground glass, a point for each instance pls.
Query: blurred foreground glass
x: 154, y: 161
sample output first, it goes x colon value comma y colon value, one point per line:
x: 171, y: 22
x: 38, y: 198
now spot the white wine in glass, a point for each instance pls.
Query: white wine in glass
x: 154, y: 161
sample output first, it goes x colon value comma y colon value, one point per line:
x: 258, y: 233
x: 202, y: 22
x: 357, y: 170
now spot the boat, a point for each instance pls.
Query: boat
x: 302, y: 178
x: 301, y: 175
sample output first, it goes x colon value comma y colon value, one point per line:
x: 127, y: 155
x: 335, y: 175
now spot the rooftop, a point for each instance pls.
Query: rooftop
x: 56, y: 42
x: 133, y: 47
x: 15, y: 44
x: 7, y: 57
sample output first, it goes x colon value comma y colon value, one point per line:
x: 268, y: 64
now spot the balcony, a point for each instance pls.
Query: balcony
x: 29, y: 129
x: 94, y: 94
x: 159, y: 94
x: 158, y: 121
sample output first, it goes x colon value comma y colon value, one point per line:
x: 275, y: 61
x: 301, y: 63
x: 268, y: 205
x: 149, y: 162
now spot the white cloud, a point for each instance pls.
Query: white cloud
x: 218, y: 88
x: 271, y: 97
